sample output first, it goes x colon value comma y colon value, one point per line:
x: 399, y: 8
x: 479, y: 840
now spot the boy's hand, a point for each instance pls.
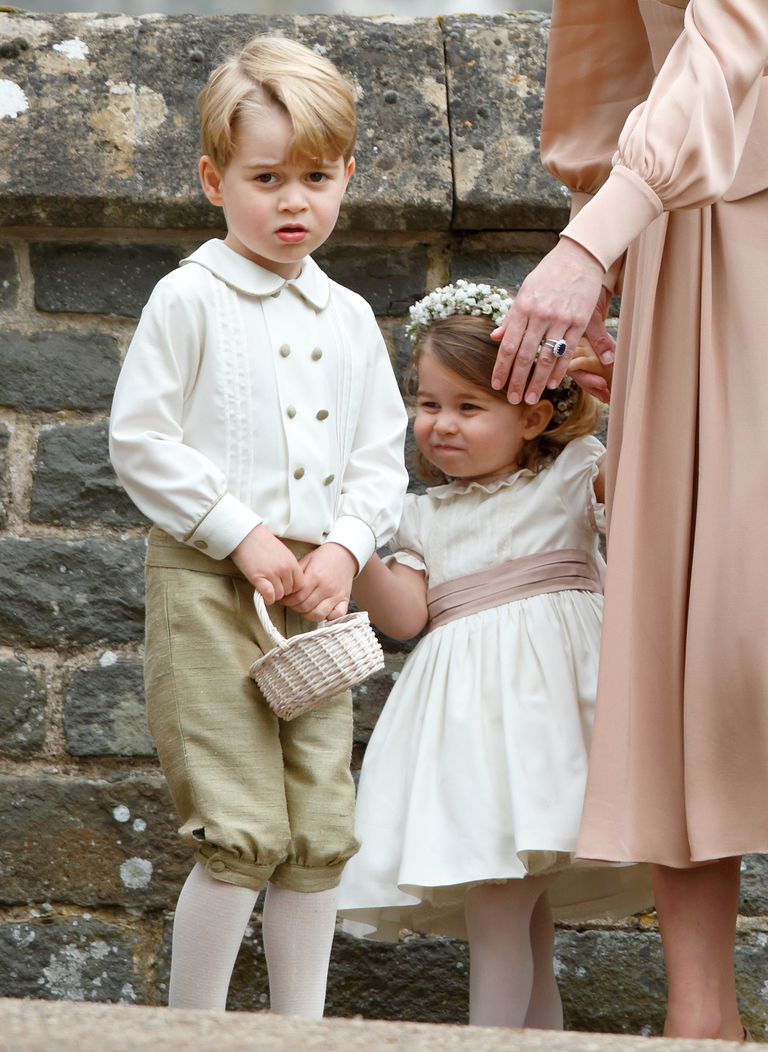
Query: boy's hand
x: 590, y: 373
x: 272, y: 569
x: 328, y: 574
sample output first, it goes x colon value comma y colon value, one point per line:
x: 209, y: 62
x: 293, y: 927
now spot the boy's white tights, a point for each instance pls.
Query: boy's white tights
x: 511, y: 943
x: 211, y: 917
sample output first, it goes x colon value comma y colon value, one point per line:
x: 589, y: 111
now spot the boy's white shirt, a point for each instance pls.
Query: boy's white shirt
x: 215, y: 428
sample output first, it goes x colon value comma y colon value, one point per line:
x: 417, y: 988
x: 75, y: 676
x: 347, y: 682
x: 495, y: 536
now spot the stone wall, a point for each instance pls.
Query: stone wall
x: 98, y: 199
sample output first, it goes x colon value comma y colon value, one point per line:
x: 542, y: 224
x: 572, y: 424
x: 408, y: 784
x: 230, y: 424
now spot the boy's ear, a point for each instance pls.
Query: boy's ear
x: 349, y: 171
x: 536, y: 418
x: 210, y: 180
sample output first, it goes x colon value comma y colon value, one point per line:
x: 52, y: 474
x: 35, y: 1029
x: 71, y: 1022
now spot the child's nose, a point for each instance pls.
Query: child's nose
x: 446, y: 423
x: 293, y: 199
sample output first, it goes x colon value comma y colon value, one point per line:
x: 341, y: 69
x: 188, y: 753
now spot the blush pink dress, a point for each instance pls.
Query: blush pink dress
x: 656, y: 118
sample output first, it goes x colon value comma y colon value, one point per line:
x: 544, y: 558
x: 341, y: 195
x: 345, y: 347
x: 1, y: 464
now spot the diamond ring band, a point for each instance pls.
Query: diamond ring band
x: 559, y: 347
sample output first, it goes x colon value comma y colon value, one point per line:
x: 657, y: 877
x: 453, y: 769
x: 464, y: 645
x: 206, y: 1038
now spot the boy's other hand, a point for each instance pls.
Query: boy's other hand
x: 328, y: 574
x: 272, y: 569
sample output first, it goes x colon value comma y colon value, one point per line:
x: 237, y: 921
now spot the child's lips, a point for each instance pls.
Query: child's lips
x: 292, y: 234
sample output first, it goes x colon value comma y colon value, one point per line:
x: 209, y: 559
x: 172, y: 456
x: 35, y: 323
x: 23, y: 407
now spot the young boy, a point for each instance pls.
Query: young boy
x: 257, y: 422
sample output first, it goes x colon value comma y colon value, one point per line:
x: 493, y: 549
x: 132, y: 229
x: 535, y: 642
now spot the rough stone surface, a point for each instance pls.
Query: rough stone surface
x: 22, y: 709
x: 754, y: 886
x: 9, y: 277
x: 390, y: 280
x: 35, y: 1026
x: 370, y: 696
x: 123, y: 148
x: 505, y: 268
x: 91, y: 842
x: 99, y: 278
x: 54, y: 592
x: 75, y: 959
x: 57, y: 370
x: 74, y: 482
x: 496, y: 88
x: 5, y: 437
x: 104, y: 712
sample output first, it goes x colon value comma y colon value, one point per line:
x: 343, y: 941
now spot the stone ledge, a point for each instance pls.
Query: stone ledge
x: 105, y: 113
x: 38, y: 1026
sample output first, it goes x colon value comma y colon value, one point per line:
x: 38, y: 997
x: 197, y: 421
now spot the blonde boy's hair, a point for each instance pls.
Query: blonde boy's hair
x: 272, y: 71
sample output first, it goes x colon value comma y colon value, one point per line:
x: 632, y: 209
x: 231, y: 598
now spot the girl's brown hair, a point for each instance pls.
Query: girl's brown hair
x: 462, y: 344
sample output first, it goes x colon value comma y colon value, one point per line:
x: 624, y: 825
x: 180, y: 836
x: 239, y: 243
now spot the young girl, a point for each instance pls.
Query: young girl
x: 471, y: 790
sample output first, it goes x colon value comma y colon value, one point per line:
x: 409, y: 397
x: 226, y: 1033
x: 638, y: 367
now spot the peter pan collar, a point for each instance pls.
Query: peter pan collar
x: 458, y: 488
x: 248, y: 277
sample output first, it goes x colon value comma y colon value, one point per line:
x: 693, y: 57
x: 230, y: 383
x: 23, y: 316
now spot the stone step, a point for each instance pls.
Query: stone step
x: 40, y: 1026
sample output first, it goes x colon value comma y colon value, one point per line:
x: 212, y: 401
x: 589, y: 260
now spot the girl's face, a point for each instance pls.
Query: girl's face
x: 468, y: 432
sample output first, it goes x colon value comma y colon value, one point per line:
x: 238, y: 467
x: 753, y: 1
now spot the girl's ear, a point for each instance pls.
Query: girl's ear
x: 210, y: 180
x: 536, y: 418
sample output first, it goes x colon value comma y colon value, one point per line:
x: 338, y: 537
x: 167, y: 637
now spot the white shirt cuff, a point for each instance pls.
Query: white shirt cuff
x: 618, y: 213
x: 356, y: 536
x: 222, y: 529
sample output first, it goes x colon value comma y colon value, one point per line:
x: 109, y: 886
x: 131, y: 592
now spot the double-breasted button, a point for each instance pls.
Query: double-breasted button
x: 291, y: 411
x: 285, y: 350
x: 328, y: 480
x: 298, y: 473
x: 317, y: 354
x: 322, y: 414
x: 201, y: 545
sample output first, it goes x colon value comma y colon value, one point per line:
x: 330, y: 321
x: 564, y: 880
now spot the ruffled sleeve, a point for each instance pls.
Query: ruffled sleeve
x: 576, y: 470
x: 410, y: 540
x: 679, y: 147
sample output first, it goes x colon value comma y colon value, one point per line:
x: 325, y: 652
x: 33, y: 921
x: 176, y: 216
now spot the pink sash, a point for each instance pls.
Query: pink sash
x: 558, y: 571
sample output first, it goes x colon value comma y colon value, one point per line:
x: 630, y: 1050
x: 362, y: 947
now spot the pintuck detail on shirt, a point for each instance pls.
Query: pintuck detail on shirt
x: 215, y: 419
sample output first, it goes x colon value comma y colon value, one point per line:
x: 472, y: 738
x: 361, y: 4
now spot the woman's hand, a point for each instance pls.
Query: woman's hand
x: 556, y: 301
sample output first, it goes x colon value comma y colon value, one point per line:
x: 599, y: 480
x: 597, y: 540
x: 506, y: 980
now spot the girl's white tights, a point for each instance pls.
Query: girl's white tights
x: 211, y: 917
x: 511, y: 943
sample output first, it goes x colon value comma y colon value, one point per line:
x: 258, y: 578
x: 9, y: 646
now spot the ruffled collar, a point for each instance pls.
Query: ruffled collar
x: 242, y: 274
x: 458, y: 487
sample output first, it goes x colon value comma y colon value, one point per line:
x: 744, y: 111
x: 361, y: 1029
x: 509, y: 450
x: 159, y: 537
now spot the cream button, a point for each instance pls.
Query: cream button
x: 216, y: 865
x: 285, y: 350
x: 298, y: 473
x: 201, y: 545
x: 291, y: 411
x: 322, y: 414
x: 328, y: 480
x: 317, y: 354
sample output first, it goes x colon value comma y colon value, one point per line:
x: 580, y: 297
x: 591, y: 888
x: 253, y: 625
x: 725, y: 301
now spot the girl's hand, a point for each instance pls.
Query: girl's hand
x: 556, y: 300
x: 589, y: 372
x: 272, y: 569
x: 328, y: 574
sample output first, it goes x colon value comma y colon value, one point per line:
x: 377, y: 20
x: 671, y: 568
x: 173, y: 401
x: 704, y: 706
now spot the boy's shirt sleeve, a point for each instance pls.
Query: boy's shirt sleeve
x: 375, y: 478
x: 173, y: 484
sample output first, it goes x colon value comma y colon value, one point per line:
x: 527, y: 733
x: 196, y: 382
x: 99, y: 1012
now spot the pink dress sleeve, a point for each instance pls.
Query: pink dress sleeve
x: 680, y: 146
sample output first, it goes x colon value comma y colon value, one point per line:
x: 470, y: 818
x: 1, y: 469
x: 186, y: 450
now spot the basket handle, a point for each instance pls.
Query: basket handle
x: 261, y: 612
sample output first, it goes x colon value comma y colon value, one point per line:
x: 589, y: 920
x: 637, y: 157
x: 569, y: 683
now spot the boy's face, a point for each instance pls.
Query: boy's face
x: 277, y: 213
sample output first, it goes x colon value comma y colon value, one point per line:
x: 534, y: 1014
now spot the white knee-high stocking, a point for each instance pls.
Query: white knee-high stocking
x: 211, y: 917
x: 502, y: 961
x: 298, y: 932
x: 545, y: 1011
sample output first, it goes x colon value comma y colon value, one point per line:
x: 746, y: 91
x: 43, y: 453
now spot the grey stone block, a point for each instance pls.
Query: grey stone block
x: 54, y: 592
x: 74, y: 482
x: 754, y: 886
x: 5, y: 437
x: 390, y: 280
x: 611, y: 981
x: 370, y: 696
x: 98, y: 279
x: 124, y: 146
x: 70, y: 958
x: 505, y: 268
x: 9, y: 277
x: 90, y: 842
x: 57, y: 370
x: 104, y: 713
x: 22, y: 709
x: 496, y: 88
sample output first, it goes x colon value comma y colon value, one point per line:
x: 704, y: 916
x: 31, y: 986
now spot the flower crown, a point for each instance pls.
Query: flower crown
x: 477, y: 299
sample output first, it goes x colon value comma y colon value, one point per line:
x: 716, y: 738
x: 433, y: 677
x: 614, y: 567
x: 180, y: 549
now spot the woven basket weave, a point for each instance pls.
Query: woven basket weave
x: 301, y: 672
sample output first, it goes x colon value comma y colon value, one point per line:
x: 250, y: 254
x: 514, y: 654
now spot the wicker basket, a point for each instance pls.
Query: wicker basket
x: 303, y: 671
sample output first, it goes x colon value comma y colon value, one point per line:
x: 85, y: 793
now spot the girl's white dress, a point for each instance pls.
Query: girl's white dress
x: 477, y: 766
